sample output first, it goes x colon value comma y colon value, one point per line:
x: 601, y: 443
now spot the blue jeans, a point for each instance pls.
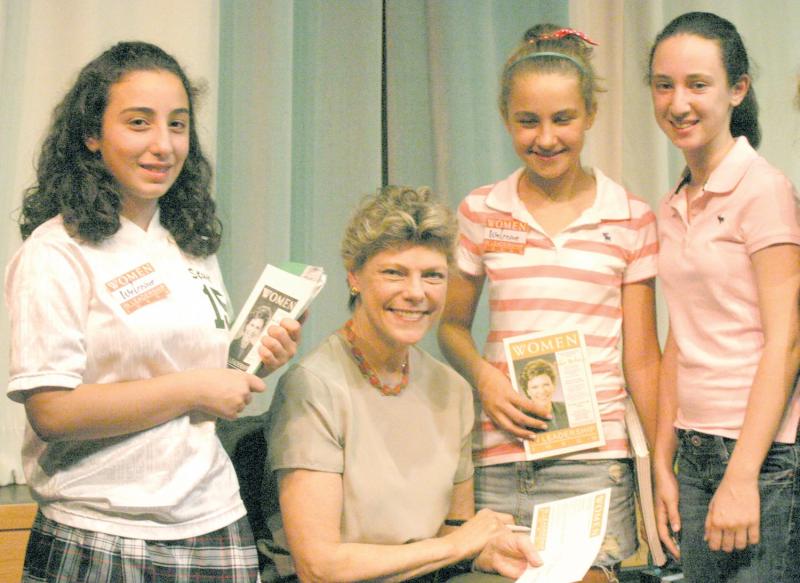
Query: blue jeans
x: 702, y: 459
x: 515, y: 488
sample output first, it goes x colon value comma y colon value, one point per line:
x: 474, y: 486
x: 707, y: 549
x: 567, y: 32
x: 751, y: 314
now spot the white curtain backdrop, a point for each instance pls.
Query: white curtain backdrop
x: 292, y: 112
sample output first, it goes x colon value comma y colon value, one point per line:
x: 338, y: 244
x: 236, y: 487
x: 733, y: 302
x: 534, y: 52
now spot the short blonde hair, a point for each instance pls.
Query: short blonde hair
x: 394, y: 217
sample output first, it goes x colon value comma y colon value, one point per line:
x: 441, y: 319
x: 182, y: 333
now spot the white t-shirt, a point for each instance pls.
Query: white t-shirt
x: 132, y: 307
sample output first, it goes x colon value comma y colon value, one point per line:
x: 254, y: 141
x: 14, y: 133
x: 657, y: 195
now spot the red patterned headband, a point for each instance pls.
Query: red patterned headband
x: 561, y: 33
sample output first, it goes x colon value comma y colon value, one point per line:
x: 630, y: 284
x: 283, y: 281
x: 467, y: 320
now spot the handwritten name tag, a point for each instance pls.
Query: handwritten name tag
x: 505, y: 236
x: 137, y: 288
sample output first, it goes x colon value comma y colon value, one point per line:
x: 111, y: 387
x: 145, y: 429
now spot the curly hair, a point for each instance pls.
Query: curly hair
x: 744, y: 118
x: 568, y: 54
x: 394, y: 217
x: 74, y: 182
x: 534, y: 369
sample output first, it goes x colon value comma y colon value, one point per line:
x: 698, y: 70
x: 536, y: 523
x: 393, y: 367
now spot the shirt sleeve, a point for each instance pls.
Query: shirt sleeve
x: 643, y: 255
x: 469, y: 251
x: 48, y: 291
x: 770, y: 214
x: 305, y: 428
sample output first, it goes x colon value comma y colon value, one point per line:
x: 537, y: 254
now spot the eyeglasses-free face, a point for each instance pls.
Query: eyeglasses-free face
x: 692, y: 96
x: 144, y: 139
x: 547, y: 120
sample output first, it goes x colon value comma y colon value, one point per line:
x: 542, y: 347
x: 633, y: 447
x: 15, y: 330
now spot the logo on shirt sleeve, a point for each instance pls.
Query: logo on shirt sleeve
x: 505, y: 236
x: 137, y: 288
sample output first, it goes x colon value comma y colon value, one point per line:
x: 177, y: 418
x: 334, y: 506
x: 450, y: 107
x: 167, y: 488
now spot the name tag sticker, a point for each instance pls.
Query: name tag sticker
x: 505, y: 236
x: 137, y: 288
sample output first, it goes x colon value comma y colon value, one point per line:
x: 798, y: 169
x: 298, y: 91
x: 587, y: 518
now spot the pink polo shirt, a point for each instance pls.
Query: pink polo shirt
x: 710, y: 286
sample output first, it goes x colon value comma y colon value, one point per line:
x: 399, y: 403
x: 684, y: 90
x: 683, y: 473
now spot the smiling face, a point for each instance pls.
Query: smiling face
x: 144, y: 139
x: 401, y: 294
x: 540, y: 389
x: 547, y: 120
x: 692, y: 95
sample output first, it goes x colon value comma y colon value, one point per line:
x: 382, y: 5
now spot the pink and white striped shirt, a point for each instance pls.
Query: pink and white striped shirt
x: 572, y: 280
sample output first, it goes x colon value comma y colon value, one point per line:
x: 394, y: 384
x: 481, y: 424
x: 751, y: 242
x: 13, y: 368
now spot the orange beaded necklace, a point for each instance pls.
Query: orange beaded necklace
x: 367, y: 371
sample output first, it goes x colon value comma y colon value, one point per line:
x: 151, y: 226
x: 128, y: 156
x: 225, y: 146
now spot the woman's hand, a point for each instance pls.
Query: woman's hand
x: 471, y: 537
x: 279, y: 344
x: 732, y: 521
x: 508, y: 554
x: 668, y: 520
x: 506, y: 407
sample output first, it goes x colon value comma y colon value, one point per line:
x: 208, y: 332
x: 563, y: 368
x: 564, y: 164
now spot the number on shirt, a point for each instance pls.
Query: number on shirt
x: 220, y: 309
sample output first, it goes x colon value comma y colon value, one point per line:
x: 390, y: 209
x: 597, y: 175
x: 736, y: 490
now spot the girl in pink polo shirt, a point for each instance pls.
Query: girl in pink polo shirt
x: 579, y: 254
x: 730, y: 264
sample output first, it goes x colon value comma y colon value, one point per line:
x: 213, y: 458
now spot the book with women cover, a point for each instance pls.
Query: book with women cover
x: 552, y: 369
x: 280, y: 292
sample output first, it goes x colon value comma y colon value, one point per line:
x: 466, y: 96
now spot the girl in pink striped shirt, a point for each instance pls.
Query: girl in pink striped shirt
x: 579, y: 252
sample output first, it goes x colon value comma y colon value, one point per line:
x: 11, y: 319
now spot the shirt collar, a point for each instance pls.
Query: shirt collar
x: 730, y: 171
x: 610, y: 203
x: 503, y: 196
x: 155, y: 230
x: 733, y: 167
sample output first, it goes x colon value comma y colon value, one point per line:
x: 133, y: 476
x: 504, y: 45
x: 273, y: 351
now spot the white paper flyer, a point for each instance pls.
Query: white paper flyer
x: 567, y: 534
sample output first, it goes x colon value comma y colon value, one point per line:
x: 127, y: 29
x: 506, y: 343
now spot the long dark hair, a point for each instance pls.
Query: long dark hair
x: 75, y: 183
x: 744, y: 119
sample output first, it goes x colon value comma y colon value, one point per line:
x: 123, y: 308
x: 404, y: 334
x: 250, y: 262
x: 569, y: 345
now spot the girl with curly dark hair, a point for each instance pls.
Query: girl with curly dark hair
x: 120, y: 337
x: 73, y: 180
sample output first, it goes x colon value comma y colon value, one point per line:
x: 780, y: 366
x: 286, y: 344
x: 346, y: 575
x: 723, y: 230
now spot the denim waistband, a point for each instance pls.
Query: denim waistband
x: 697, y: 438
x: 705, y: 443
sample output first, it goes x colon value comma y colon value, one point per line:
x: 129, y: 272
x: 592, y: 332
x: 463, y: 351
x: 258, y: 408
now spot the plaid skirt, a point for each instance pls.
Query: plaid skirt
x: 62, y: 554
